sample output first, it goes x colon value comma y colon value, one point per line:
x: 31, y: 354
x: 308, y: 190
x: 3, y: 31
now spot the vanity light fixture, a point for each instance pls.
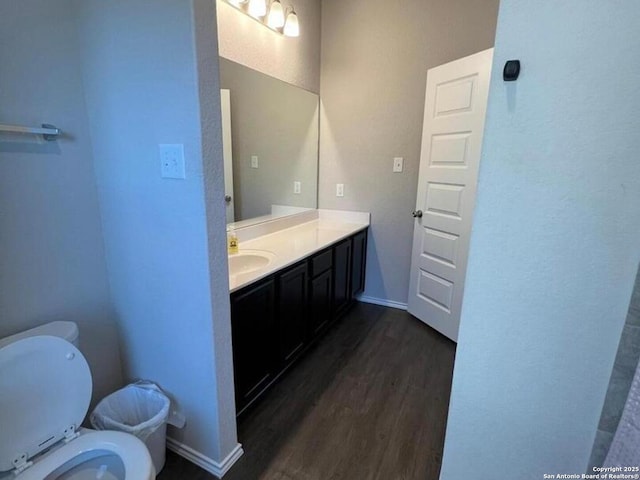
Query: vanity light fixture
x: 257, y: 8
x: 291, y: 26
x: 275, y: 17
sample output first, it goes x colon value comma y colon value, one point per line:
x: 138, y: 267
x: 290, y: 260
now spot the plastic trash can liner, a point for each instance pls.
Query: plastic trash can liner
x: 138, y: 409
x: 143, y: 410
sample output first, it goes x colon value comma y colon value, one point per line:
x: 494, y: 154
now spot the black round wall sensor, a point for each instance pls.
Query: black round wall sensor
x: 511, y: 70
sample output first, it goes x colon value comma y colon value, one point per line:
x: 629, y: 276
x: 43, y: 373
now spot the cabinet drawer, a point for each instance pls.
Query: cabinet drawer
x: 320, y: 263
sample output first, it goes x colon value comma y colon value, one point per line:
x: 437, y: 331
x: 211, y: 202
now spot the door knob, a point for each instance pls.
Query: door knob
x: 227, y: 198
x: 417, y: 214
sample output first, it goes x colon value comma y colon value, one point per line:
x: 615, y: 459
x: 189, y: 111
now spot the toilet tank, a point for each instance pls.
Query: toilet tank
x: 66, y: 330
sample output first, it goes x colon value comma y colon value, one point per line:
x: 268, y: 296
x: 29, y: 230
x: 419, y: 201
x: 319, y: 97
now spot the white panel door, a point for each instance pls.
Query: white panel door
x: 227, y: 152
x: 455, y: 109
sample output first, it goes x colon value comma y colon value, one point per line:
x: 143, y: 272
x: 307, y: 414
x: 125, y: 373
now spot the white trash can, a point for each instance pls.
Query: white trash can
x: 140, y: 409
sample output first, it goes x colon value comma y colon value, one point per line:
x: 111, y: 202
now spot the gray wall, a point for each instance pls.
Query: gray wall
x: 293, y: 60
x: 52, y: 264
x: 278, y: 122
x: 624, y: 369
x: 375, y: 59
x: 554, y: 248
x: 143, y: 88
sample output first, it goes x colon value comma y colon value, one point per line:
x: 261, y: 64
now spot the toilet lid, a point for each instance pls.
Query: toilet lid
x: 45, y: 388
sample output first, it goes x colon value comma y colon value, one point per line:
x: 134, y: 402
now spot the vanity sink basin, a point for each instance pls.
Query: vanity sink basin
x: 247, y: 261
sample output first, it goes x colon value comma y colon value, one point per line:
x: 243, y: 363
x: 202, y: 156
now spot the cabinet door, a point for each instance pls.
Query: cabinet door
x: 253, y: 332
x: 359, y: 262
x: 320, y: 311
x: 292, y: 312
x: 342, y: 276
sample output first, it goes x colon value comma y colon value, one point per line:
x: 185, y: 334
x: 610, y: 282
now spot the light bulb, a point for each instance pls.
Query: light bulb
x: 276, y: 15
x: 257, y: 8
x: 291, y: 26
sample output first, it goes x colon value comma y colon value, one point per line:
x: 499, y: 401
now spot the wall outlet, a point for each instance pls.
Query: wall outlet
x: 172, y: 160
x: 254, y: 161
x: 296, y: 187
x: 339, y: 189
x: 398, y: 164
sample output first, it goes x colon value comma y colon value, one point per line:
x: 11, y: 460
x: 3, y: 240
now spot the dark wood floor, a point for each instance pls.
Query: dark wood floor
x: 369, y: 401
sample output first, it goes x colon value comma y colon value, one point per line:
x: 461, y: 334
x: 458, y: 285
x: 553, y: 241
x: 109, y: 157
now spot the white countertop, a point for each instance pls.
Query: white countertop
x: 295, y: 243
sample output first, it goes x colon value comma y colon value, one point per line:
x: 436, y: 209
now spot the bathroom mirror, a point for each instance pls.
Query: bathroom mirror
x: 270, y: 136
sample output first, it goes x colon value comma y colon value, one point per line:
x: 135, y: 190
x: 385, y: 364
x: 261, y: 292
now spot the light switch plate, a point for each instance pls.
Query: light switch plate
x: 254, y: 161
x: 172, y: 160
x: 339, y: 189
x: 296, y: 187
x: 398, y: 164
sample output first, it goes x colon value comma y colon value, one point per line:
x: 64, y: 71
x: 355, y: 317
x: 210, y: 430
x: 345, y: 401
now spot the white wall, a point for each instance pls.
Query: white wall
x: 143, y: 88
x: 555, y: 244
x: 213, y: 169
x: 375, y: 57
x: 293, y: 60
x: 52, y: 263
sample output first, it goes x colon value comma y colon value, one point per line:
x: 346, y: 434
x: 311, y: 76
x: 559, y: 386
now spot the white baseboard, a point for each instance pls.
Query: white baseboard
x: 204, y: 462
x: 382, y: 301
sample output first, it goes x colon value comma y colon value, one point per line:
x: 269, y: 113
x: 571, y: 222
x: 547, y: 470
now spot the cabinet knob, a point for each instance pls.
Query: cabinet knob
x: 227, y: 198
x: 417, y: 214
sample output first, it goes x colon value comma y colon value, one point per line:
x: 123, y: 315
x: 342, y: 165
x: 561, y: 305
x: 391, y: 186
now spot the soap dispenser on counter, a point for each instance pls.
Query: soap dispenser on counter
x: 232, y: 240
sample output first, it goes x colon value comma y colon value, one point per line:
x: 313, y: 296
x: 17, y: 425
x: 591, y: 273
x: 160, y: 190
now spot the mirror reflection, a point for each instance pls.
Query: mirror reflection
x: 270, y: 135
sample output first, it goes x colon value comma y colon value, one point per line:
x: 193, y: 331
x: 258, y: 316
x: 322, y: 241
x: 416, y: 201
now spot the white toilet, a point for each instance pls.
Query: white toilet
x: 45, y: 390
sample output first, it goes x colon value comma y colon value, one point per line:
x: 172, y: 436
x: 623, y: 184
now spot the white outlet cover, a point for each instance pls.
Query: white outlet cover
x: 339, y: 189
x: 296, y: 187
x: 398, y: 164
x: 172, y: 160
x: 254, y: 161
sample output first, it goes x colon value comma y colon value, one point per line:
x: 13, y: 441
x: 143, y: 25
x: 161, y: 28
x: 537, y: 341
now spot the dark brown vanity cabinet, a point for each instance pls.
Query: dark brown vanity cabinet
x: 359, y: 264
x: 320, y: 292
x: 274, y: 320
x: 342, y: 276
x: 292, y: 312
x: 253, y: 335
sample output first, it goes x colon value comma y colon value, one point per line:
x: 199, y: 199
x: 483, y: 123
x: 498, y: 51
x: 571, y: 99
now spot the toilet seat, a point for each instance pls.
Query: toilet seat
x: 128, y: 448
x: 46, y: 389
